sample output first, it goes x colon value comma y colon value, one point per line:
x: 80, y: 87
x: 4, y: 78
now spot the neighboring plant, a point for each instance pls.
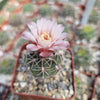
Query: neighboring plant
x: 82, y: 56
x: 28, y: 8
x: 3, y: 38
x: 75, y: 1
x: 87, y: 32
x: 11, y: 7
x: 46, y: 39
x: 97, y: 3
x: 2, y: 19
x: 94, y: 17
x: 46, y: 10
x: 3, y: 3
x: 16, y: 19
x: 79, y: 86
x: 7, y: 66
x: 67, y: 11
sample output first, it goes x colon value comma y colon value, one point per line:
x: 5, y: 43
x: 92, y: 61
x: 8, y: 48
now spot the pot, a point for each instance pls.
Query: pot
x: 25, y: 96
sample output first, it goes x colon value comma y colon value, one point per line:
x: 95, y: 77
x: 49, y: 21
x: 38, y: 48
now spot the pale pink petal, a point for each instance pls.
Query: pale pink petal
x: 33, y: 27
x: 40, y: 25
x: 62, y: 44
x: 46, y: 54
x: 28, y: 36
x: 62, y: 36
x: 32, y: 47
x: 44, y: 44
x: 51, y: 25
x: 54, y: 48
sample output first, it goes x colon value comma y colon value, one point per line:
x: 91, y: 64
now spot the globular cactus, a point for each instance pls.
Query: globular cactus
x: 83, y: 56
x: 46, y: 10
x: 94, y: 17
x: 87, y: 32
x: 67, y: 11
x: 43, y: 67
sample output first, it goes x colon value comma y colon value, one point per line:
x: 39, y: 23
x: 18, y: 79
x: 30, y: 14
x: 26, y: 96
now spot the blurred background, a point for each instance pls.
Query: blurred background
x: 81, y: 19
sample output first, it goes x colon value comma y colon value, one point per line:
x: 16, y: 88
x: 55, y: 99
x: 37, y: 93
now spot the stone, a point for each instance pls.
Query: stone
x: 45, y: 85
x: 49, y: 94
x: 21, y: 61
x: 22, y: 68
x: 85, y: 97
x: 63, y: 73
x: 66, y: 93
x: 16, y: 84
x: 71, y: 92
x: 53, y: 96
x: 57, y: 78
x: 20, y: 76
x: 23, y: 84
x: 62, y: 85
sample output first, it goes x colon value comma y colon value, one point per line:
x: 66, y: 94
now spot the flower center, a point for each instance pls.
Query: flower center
x: 45, y: 37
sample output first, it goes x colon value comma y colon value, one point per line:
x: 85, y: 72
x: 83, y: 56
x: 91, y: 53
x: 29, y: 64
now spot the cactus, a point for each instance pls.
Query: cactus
x: 67, y: 11
x: 46, y: 10
x: 82, y: 56
x: 2, y: 19
x: 7, y: 65
x: 3, y: 38
x: 43, y: 67
x: 87, y: 32
x: 16, y: 20
x: 75, y: 1
x: 79, y: 87
x: 94, y: 17
x: 3, y: 3
x: 11, y: 7
x: 28, y: 8
x: 97, y: 3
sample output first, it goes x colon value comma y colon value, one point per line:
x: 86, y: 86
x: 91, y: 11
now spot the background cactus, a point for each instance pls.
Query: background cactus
x: 2, y: 3
x: 11, y: 7
x: 7, y: 65
x: 82, y: 56
x: 2, y: 19
x: 3, y: 38
x: 43, y: 67
x: 46, y: 10
x: 28, y: 8
x: 94, y: 17
x: 87, y: 32
x: 67, y: 11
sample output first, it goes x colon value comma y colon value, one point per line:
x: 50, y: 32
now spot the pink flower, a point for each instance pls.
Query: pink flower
x: 46, y: 36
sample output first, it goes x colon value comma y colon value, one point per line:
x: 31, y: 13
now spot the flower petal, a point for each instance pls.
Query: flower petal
x: 28, y: 36
x: 62, y: 36
x: 54, y: 48
x: 33, y: 27
x: 32, y: 47
x: 46, y: 54
x: 62, y: 44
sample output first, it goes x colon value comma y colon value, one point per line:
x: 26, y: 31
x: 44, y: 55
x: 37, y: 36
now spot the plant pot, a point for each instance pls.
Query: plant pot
x: 6, y: 94
x: 84, y: 55
x: 4, y: 89
x: 9, y: 95
x: 95, y: 88
x: 25, y: 96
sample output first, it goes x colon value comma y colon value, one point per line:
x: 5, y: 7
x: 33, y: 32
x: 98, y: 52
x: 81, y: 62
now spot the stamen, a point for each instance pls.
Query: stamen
x: 45, y: 36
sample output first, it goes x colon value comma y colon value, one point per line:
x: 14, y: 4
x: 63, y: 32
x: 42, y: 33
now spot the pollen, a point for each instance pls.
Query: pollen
x: 45, y: 36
